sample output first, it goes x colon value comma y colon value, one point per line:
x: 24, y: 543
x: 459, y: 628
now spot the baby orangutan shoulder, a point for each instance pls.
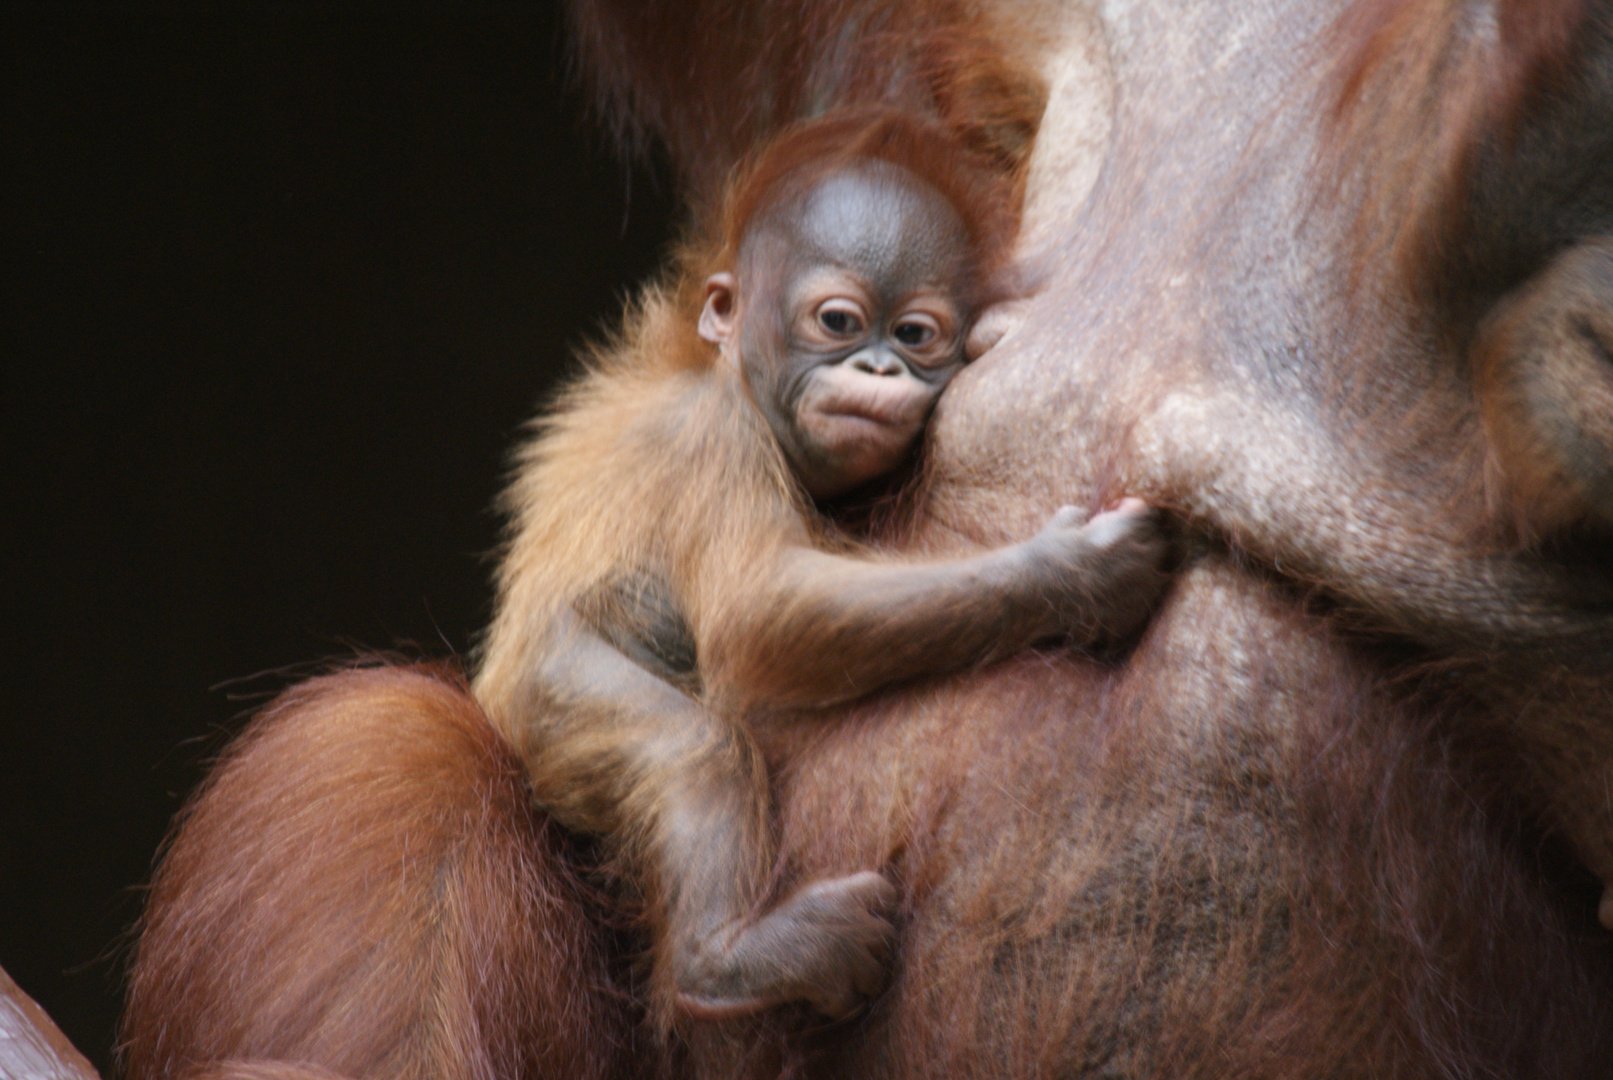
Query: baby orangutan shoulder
x: 668, y: 571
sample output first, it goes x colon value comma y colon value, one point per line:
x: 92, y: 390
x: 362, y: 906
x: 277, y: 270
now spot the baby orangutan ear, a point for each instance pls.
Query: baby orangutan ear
x: 717, y: 313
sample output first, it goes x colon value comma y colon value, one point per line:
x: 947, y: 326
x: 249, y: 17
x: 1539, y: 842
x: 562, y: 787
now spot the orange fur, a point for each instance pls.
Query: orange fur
x: 740, y: 74
x: 361, y: 889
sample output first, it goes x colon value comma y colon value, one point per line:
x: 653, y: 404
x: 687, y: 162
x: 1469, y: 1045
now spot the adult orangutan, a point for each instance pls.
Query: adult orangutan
x: 1329, y: 277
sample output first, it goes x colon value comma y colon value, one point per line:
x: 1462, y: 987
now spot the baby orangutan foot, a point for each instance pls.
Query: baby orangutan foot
x: 825, y: 945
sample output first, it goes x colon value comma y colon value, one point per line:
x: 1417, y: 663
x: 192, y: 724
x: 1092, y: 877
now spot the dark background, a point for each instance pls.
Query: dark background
x: 279, y: 285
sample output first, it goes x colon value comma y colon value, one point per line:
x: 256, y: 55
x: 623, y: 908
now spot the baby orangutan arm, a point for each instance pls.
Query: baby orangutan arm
x: 817, y: 628
x: 615, y: 749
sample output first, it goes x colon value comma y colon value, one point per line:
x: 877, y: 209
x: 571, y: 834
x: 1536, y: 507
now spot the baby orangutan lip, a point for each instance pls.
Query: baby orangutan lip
x: 884, y: 400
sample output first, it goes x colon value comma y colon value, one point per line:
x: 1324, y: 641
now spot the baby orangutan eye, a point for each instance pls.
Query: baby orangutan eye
x: 924, y: 337
x: 840, y: 318
x: 914, y: 334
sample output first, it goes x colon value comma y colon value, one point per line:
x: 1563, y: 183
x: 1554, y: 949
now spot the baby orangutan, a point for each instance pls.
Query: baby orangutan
x: 669, y: 571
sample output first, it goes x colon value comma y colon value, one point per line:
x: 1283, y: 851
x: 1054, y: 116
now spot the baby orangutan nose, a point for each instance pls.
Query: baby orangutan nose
x: 878, y: 362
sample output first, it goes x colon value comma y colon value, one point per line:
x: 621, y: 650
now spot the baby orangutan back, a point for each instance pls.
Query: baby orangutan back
x: 669, y: 571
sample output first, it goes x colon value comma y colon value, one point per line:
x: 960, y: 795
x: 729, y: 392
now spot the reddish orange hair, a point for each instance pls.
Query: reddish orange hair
x: 985, y: 195
x: 712, y: 80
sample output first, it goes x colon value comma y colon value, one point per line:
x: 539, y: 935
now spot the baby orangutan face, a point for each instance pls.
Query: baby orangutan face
x: 847, y: 317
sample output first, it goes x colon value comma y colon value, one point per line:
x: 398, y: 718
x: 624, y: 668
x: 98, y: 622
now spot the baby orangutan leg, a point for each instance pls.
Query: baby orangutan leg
x: 621, y: 753
x: 825, y: 944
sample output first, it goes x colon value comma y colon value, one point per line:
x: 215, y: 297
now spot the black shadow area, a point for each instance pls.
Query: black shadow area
x: 278, y: 286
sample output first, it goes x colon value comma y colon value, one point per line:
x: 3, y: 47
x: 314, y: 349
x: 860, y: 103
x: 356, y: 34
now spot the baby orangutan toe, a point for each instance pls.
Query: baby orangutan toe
x: 825, y: 945
x: 849, y: 916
